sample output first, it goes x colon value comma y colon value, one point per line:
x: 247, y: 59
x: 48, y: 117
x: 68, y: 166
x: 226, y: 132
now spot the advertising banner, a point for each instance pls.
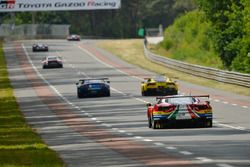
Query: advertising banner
x: 57, y: 5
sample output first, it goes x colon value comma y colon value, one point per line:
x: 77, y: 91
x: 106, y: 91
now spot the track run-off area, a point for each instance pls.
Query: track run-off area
x: 113, y: 131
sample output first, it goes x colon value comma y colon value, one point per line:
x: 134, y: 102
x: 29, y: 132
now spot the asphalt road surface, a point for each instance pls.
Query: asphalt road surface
x: 112, y: 131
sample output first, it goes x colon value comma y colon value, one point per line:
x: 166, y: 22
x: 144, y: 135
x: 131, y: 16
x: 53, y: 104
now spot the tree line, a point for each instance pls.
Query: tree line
x: 230, y: 31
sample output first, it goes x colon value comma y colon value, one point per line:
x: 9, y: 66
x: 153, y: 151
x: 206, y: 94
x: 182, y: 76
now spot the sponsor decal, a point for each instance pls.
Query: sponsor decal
x: 7, y: 4
x: 47, y: 5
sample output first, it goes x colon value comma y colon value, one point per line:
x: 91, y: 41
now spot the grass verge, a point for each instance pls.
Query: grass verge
x: 19, y: 144
x: 131, y: 50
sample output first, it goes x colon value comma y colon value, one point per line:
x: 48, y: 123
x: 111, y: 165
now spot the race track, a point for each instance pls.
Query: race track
x: 112, y: 131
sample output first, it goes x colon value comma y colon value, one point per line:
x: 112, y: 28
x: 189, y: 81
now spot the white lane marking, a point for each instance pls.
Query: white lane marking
x: 138, y: 137
x: 224, y: 165
x: 244, y: 106
x: 130, y: 134
x: 120, y: 109
x: 121, y: 131
x: 107, y: 125
x: 171, y: 148
x: 93, y: 56
x: 147, y: 140
x: 232, y: 127
x: 94, y: 119
x: 204, y: 159
x: 225, y: 102
x: 115, y: 90
x: 229, y: 126
x: 234, y: 104
x: 87, y: 114
x: 185, y: 152
x: 115, y: 129
x: 216, y: 100
x: 12, y: 47
x: 141, y: 100
x: 159, y: 144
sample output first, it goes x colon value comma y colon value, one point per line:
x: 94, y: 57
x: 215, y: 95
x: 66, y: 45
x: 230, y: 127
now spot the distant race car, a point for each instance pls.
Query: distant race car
x: 159, y: 86
x: 178, y: 110
x: 40, y: 47
x: 52, y: 62
x: 74, y: 37
x: 99, y: 87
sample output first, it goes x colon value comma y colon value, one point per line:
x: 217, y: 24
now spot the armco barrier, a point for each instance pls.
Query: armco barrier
x: 234, y: 78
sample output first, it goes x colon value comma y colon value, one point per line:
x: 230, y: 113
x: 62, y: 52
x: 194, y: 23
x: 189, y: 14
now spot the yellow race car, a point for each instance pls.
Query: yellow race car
x: 159, y: 86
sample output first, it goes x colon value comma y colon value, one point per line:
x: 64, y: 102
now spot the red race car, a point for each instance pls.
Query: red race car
x: 178, y: 110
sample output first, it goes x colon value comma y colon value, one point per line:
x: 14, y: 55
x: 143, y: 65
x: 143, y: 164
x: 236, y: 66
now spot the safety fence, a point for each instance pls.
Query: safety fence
x: 223, y: 76
x: 34, y: 31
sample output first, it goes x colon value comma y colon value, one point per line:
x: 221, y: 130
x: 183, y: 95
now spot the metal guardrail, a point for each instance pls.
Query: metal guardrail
x: 223, y: 76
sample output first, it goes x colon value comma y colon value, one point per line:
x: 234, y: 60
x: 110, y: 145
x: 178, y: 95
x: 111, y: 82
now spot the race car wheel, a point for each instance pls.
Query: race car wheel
x: 149, y: 123
x: 61, y: 66
x: 44, y: 67
x: 209, y: 123
x: 154, y: 124
x: 79, y: 95
x: 108, y: 94
x: 142, y: 93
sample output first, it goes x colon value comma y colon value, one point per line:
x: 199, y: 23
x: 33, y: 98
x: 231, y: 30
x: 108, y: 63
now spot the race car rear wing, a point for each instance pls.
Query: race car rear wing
x: 101, y: 79
x: 178, y: 96
x: 93, y: 79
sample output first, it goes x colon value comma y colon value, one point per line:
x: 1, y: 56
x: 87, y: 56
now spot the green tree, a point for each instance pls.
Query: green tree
x: 242, y: 61
x: 228, y: 27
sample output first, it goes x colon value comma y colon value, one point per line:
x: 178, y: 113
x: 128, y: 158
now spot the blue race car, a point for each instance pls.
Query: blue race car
x: 91, y: 87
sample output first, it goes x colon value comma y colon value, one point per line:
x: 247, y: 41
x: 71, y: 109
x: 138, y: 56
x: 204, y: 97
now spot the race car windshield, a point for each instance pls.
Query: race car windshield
x: 94, y: 81
x: 52, y: 58
x: 160, y: 79
x: 181, y: 100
